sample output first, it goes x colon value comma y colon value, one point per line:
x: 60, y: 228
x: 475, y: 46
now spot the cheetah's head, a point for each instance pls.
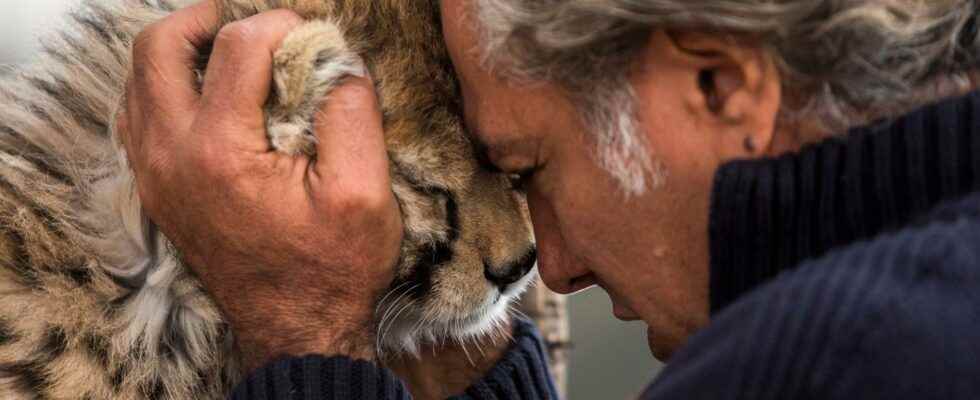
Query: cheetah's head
x: 468, y: 249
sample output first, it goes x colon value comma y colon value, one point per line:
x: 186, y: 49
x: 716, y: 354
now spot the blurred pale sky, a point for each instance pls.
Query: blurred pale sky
x: 610, y: 359
x: 21, y: 21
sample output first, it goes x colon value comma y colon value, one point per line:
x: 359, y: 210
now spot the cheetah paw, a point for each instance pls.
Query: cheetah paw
x: 312, y: 60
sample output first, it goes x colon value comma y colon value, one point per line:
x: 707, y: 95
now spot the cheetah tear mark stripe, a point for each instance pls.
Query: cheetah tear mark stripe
x: 439, y: 253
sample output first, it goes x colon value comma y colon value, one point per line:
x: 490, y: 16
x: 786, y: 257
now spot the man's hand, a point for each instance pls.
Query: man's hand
x: 294, y: 250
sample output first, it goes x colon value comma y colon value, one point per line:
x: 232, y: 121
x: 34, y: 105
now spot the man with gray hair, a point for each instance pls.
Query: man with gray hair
x: 785, y: 192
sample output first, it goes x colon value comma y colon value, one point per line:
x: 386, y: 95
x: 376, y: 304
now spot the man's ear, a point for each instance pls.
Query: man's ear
x: 731, y: 88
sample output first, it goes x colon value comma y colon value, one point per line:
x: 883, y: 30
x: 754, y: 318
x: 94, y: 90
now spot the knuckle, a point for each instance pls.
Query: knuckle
x: 144, y: 39
x: 290, y: 17
x: 236, y: 34
x: 150, y: 50
x: 361, y: 205
x: 356, y: 93
x: 146, y: 46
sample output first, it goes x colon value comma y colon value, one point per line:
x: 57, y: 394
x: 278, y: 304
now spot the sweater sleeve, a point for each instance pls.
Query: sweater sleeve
x: 522, y: 373
x: 896, y: 317
x: 316, y: 377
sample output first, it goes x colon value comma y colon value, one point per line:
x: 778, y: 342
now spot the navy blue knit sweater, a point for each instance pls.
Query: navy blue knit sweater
x: 522, y: 373
x: 848, y: 270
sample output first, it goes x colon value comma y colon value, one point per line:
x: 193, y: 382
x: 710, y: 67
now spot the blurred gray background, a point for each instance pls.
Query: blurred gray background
x: 609, y: 360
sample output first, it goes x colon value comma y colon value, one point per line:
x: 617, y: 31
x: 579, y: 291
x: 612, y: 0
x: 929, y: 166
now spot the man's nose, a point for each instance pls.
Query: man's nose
x: 572, y: 285
x: 558, y: 270
x: 561, y: 275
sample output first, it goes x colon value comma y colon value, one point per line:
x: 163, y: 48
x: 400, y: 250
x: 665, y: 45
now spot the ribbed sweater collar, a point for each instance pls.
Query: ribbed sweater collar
x: 768, y: 215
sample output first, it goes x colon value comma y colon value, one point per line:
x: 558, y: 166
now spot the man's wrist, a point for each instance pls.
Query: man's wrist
x: 358, y: 345
x: 354, y: 341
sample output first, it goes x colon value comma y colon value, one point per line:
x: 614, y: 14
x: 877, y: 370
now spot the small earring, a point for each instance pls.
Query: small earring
x: 749, y: 144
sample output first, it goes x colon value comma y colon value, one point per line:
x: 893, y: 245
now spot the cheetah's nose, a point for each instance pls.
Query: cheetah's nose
x: 511, y: 273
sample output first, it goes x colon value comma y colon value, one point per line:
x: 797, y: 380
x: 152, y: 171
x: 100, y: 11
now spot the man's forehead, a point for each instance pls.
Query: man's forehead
x: 489, y: 149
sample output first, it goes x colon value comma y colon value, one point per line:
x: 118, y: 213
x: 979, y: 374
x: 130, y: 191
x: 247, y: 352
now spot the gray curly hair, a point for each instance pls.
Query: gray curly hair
x: 849, y: 60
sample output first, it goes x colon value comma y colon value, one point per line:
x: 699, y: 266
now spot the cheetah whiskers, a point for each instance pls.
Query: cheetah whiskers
x: 394, y: 319
x: 514, y: 311
x: 389, y: 315
x: 462, y: 344
x: 387, y: 295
